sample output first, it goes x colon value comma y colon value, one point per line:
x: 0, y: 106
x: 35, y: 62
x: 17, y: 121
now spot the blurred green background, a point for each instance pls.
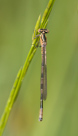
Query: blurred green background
x: 17, y: 21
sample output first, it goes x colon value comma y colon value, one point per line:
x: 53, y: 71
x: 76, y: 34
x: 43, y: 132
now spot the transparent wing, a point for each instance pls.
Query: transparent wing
x: 45, y: 77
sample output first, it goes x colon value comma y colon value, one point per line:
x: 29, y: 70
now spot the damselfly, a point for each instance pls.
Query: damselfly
x: 43, y: 42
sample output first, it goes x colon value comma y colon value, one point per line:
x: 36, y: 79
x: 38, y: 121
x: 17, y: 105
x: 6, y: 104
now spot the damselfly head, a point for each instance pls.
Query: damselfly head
x: 43, y: 30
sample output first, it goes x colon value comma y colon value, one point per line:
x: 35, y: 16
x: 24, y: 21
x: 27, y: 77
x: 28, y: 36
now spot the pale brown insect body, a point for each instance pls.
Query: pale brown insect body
x: 43, y: 42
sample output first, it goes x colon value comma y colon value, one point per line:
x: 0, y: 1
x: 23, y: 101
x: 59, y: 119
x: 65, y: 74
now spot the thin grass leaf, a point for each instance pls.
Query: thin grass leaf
x: 10, y: 102
x: 47, y: 13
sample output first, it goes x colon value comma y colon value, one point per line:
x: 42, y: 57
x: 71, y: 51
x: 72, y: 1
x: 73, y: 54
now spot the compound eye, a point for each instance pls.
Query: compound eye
x: 46, y: 31
x: 39, y: 30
